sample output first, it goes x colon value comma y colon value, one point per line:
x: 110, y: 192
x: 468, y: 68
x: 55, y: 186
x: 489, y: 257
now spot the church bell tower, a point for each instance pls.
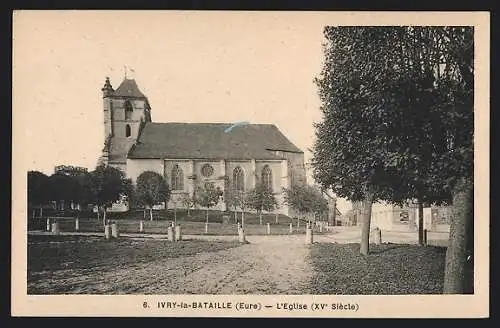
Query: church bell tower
x: 125, y: 110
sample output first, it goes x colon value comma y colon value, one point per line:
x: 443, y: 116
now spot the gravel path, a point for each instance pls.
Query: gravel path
x: 268, y: 267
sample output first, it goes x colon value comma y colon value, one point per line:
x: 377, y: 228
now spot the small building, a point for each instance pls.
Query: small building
x: 402, y: 218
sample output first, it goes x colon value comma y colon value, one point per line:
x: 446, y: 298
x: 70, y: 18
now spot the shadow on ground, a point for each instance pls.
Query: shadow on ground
x: 389, y: 269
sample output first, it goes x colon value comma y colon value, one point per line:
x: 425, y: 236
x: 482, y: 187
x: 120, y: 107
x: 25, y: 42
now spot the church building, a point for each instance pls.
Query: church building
x: 191, y: 154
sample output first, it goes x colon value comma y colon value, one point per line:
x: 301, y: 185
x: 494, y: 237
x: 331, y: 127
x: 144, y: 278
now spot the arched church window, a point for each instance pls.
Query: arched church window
x: 128, y: 131
x: 128, y: 110
x: 238, y: 179
x: 177, y: 180
x: 267, y: 178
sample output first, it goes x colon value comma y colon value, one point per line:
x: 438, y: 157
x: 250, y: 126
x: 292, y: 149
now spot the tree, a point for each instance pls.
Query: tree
x: 306, y: 200
x: 242, y: 201
x: 151, y: 189
x: 108, y: 184
x: 84, y: 194
x: 207, y: 196
x: 379, y: 117
x: 188, y: 202
x: 232, y: 197
x: 37, y: 193
x: 319, y: 203
x: 62, y: 188
x: 261, y: 199
x: 457, y: 159
x: 398, y: 122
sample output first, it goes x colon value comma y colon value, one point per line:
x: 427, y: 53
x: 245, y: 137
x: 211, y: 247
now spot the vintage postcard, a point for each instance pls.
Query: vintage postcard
x: 250, y: 164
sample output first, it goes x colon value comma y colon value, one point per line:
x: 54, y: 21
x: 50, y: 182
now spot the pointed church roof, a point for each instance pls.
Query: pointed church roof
x: 211, y: 141
x: 129, y: 88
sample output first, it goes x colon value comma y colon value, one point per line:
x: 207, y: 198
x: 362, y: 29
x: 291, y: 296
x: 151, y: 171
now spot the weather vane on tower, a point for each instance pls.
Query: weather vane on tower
x: 129, y: 69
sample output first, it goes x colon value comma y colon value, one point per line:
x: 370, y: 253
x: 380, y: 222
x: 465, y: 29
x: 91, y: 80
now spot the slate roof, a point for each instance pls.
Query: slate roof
x: 129, y: 88
x: 210, y: 141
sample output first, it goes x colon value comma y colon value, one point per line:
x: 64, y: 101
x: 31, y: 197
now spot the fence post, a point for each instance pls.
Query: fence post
x: 241, y: 235
x: 378, y: 236
x: 48, y: 224
x: 107, y: 231
x: 268, y: 228
x: 291, y: 228
x: 55, y: 228
x: 77, y: 224
x: 114, y: 230
x: 206, y: 227
x: 170, y: 233
x: 309, y: 234
x: 178, y: 235
x: 425, y: 237
x: 141, y: 226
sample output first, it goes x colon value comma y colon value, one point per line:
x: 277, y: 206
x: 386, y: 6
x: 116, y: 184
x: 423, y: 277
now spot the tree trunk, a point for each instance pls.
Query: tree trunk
x: 41, y: 211
x: 459, y: 267
x: 207, y: 215
x: 175, y: 215
x: 334, y: 214
x: 235, y: 216
x: 242, y: 218
x: 189, y: 213
x: 151, y: 213
x: 98, y: 214
x: 365, y: 227
x: 104, y: 216
x: 260, y: 217
x: 420, y: 223
x: 277, y: 218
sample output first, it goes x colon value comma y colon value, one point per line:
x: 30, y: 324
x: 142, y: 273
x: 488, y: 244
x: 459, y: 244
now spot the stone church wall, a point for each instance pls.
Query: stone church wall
x: 221, y: 168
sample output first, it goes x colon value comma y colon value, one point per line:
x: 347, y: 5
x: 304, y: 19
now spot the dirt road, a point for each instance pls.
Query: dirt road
x: 267, y: 265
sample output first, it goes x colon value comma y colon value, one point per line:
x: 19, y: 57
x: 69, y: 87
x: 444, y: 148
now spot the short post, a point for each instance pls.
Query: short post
x: 55, y: 228
x: 77, y: 224
x: 107, y: 231
x: 268, y: 228
x: 309, y: 234
x: 291, y: 228
x: 425, y: 237
x: 178, y: 235
x: 48, y: 224
x: 241, y: 235
x: 377, y: 236
x: 206, y: 227
x: 170, y: 233
x: 141, y: 226
x: 114, y: 230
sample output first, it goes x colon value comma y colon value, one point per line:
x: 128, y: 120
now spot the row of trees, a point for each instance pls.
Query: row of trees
x: 105, y: 185
x: 101, y: 187
x: 398, y: 125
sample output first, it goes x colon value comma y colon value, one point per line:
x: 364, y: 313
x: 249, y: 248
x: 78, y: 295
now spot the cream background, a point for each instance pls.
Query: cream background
x: 199, y: 67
